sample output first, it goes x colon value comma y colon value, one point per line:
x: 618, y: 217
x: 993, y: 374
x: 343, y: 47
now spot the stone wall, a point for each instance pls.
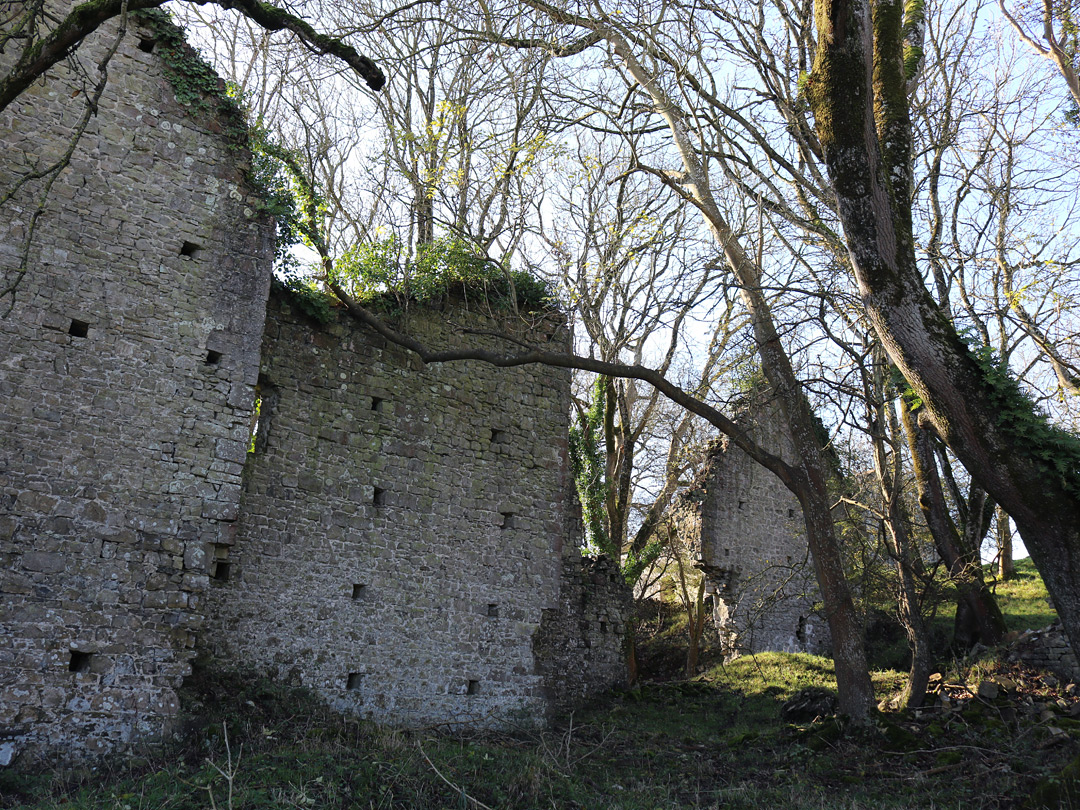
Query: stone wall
x: 746, y: 530
x: 580, y: 646
x: 401, y: 525
x: 399, y: 538
x: 1047, y: 649
x: 127, y: 371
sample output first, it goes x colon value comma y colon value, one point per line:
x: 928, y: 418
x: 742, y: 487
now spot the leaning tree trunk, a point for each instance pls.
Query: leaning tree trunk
x: 858, y: 97
x: 806, y: 478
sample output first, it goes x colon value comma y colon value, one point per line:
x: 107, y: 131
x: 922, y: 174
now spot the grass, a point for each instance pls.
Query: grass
x: 715, y: 742
x: 1023, y: 599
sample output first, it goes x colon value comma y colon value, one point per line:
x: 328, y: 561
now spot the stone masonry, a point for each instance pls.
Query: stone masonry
x: 401, y: 526
x: 127, y: 371
x: 399, y: 540
x: 746, y: 531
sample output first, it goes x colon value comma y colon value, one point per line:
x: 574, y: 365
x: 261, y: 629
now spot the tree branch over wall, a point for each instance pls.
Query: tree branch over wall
x: 38, y: 55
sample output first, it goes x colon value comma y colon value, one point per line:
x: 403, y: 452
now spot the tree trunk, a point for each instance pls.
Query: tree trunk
x: 1006, y: 568
x: 806, y: 477
x: 978, y: 617
x: 858, y: 96
x: 888, y: 465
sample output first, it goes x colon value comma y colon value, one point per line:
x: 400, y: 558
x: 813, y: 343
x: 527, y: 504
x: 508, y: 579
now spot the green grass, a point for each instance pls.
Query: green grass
x: 1023, y: 600
x: 714, y: 742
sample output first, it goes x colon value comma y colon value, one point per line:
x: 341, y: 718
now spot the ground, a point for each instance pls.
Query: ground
x: 995, y: 735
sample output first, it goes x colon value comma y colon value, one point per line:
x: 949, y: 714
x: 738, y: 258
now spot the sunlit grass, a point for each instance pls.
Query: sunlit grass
x: 1023, y: 599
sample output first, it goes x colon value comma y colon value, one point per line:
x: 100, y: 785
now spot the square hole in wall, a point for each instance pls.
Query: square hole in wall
x: 220, y: 566
x: 603, y: 627
x: 78, y: 328
x: 190, y: 250
x: 358, y: 590
x: 497, y: 435
x: 791, y: 513
x: 509, y: 520
x: 473, y: 688
x: 378, y: 497
x: 377, y: 404
x: 212, y: 357
x: 493, y: 610
x: 742, y: 504
x: 146, y: 44
x: 353, y: 681
x: 80, y: 661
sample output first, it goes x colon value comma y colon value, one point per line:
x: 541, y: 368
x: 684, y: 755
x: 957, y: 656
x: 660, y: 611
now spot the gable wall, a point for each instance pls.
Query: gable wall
x: 747, y: 530
x: 121, y: 451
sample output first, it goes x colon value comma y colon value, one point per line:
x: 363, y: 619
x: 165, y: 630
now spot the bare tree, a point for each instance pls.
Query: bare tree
x: 1051, y: 29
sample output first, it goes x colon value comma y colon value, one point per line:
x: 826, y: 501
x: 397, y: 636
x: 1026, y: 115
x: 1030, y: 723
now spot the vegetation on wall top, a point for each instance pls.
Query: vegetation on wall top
x: 379, y: 273
x: 195, y: 83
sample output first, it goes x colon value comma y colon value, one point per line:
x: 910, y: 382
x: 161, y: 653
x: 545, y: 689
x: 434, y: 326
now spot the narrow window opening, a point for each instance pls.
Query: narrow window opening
x: 266, y: 397
x: 378, y: 497
x: 509, y: 520
x: 213, y: 358
x: 791, y: 513
x: 742, y: 504
x: 473, y: 688
x: 146, y: 44
x: 78, y: 328
x: 497, y: 435
x: 789, y: 560
x: 603, y: 627
x: 377, y: 403
x: 358, y: 591
x: 190, y: 250
x: 354, y: 680
x: 493, y: 610
x: 727, y: 552
x: 80, y: 661
x: 220, y: 565
x: 800, y: 631
x: 253, y: 433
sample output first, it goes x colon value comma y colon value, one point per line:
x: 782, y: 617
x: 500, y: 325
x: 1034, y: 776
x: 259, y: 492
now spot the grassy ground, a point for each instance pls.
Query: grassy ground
x: 1023, y: 599
x: 714, y: 742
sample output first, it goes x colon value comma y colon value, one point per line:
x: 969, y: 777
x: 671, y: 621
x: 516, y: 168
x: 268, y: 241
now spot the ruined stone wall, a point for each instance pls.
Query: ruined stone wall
x: 399, y: 539
x: 127, y: 368
x: 580, y: 646
x: 401, y: 526
x: 1048, y: 649
x: 746, y: 529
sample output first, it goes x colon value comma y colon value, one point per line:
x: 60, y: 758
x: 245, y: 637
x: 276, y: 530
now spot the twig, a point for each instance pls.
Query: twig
x: 438, y: 773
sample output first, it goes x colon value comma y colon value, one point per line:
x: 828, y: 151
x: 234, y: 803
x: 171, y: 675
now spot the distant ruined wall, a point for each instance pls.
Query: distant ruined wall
x: 401, y: 525
x: 127, y: 372
x: 746, y: 529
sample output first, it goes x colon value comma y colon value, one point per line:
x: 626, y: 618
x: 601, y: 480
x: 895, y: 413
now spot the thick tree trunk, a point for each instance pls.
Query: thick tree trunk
x: 855, y: 78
